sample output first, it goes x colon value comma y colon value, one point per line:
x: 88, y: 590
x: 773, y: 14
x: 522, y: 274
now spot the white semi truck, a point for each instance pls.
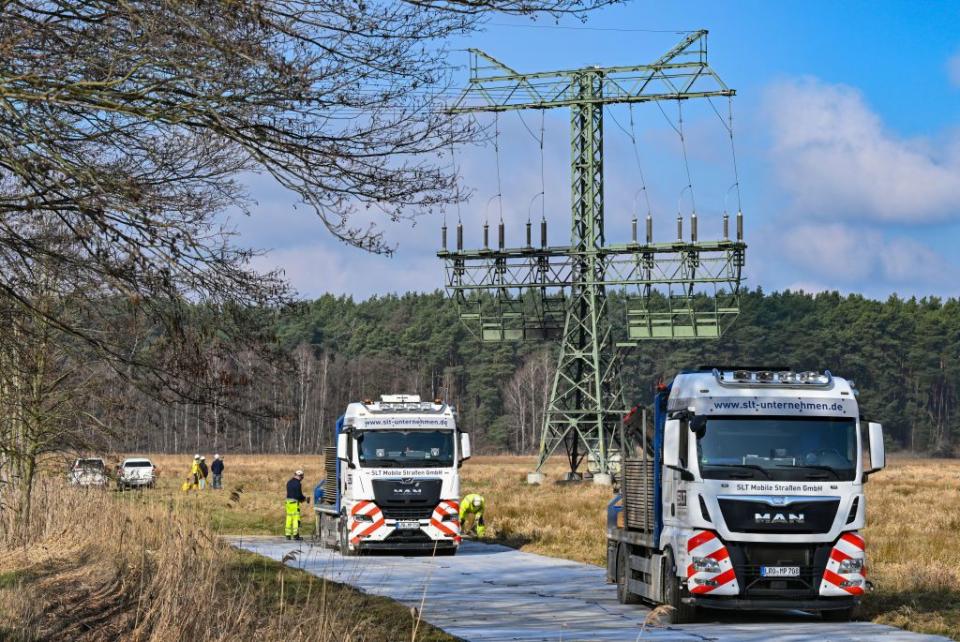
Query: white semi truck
x: 392, y: 480
x: 745, y: 493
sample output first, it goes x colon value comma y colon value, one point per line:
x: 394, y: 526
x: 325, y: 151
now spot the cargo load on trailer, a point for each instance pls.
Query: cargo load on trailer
x: 746, y: 492
x: 392, y: 479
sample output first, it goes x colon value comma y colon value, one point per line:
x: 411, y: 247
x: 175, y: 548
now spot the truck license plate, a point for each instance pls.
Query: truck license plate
x: 408, y: 526
x: 780, y: 571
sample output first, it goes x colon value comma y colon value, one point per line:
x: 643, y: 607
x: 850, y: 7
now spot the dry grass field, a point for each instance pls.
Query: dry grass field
x: 913, y: 538
x: 104, y: 566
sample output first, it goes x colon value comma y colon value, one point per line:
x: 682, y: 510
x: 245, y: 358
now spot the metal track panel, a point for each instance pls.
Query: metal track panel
x: 638, y: 494
x: 330, y: 470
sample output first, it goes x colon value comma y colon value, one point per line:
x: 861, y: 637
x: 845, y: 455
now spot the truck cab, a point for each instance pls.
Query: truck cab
x: 746, y: 493
x: 392, y: 480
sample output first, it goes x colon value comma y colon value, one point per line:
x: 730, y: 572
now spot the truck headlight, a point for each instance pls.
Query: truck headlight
x: 706, y: 565
x: 851, y: 565
x: 362, y: 518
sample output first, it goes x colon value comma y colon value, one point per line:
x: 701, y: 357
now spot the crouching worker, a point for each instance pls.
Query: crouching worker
x: 294, y: 497
x: 472, y: 504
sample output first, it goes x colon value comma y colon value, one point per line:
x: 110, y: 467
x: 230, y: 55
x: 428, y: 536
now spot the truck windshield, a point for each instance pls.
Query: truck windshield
x: 780, y: 448
x: 401, y: 448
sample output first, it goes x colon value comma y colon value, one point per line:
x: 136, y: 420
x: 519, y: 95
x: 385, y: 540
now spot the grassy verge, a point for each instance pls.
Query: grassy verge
x: 105, y: 566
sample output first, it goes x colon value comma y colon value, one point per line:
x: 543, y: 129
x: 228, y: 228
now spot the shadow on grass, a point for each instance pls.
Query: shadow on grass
x: 383, y: 619
x: 924, y: 611
x: 510, y: 539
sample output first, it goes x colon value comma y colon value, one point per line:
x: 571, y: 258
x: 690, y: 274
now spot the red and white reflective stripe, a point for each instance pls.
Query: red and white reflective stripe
x: 363, y: 507
x: 707, y: 544
x: 361, y: 529
x: 450, y: 528
x: 849, y: 546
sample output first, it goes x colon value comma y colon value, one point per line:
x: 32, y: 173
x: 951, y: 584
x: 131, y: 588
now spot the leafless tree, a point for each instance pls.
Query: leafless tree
x: 526, y: 396
x: 124, y: 126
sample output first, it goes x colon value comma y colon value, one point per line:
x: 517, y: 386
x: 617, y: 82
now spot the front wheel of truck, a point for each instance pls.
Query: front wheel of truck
x: 344, y: 538
x: 624, y: 594
x: 673, y: 594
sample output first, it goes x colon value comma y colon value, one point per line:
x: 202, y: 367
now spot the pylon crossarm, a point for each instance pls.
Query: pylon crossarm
x: 496, y: 87
x: 715, y: 263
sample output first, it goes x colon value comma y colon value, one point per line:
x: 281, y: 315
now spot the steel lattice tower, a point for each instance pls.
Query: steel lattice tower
x: 561, y: 292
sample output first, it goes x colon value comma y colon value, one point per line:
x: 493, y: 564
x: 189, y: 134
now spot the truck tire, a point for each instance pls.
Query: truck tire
x: 838, y: 615
x: 624, y: 594
x: 344, y: 546
x: 673, y: 594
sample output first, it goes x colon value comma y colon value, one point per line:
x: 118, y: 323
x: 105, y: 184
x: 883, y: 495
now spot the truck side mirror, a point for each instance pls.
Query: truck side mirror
x: 878, y: 458
x: 698, y: 425
x: 464, y: 446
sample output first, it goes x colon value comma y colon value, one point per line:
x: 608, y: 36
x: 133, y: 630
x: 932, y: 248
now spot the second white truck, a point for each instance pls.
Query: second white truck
x: 392, y: 480
x: 746, y: 493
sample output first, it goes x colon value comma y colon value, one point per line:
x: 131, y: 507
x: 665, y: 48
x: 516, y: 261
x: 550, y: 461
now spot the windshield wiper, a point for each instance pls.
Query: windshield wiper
x: 384, y: 462
x: 408, y: 463
x: 828, y: 469
x: 747, y: 466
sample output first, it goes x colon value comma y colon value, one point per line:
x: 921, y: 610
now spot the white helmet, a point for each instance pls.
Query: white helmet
x: 196, y: 456
x: 202, y: 458
x: 476, y: 502
x: 299, y: 473
x: 217, y: 456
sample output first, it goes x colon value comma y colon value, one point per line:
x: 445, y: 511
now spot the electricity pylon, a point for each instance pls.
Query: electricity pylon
x: 560, y: 292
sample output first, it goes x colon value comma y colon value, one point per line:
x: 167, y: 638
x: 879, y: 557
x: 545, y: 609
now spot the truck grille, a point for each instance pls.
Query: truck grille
x: 407, y: 493
x: 399, y: 512
x: 742, y: 516
x: 748, y: 558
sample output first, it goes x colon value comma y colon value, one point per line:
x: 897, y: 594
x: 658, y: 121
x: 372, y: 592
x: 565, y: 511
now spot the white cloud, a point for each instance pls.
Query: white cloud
x: 953, y: 69
x: 834, y: 156
x: 852, y: 255
x: 317, y: 268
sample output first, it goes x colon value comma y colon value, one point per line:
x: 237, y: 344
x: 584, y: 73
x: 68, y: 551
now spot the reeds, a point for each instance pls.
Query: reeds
x: 141, y: 566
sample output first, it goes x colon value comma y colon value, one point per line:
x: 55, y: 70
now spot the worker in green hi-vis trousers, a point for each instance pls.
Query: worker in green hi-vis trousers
x: 294, y: 497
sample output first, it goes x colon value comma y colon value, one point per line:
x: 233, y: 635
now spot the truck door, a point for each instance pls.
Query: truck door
x: 676, y: 447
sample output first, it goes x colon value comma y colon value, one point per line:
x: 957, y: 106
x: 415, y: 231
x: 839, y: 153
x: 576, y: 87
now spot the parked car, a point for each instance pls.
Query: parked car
x: 136, y: 472
x: 88, y: 471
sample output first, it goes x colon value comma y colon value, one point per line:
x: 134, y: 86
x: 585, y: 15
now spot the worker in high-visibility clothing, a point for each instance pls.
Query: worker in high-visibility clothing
x: 292, y: 504
x: 195, y: 472
x: 472, y: 504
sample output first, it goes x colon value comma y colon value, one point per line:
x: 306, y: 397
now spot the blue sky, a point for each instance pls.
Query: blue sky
x: 847, y: 125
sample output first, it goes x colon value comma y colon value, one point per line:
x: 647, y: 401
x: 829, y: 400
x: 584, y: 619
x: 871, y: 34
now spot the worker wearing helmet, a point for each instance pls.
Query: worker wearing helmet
x: 294, y: 497
x: 204, y: 471
x: 217, y: 469
x: 472, y: 504
x: 195, y: 472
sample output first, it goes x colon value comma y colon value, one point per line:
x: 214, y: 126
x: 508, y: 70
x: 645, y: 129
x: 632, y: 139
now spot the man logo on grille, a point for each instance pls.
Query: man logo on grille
x: 778, y: 518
